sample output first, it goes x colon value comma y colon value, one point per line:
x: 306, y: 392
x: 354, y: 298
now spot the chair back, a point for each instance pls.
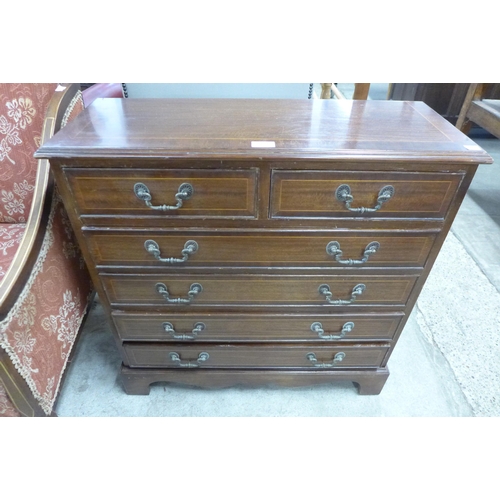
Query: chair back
x: 22, y: 112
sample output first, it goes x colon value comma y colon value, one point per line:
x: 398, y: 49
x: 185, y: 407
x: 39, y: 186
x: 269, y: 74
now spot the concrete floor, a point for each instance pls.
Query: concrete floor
x: 446, y: 363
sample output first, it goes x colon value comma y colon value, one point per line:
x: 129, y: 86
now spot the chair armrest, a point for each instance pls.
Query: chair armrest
x: 20, y: 269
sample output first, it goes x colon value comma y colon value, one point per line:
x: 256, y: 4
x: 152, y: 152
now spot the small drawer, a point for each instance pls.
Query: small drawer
x: 191, y: 291
x: 235, y: 328
x: 186, y: 192
x: 290, y: 249
x: 339, y: 194
x: 202, y: 356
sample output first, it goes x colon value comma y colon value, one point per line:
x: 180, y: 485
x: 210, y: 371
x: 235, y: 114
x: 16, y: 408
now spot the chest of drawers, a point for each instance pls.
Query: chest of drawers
x: 259, y: 241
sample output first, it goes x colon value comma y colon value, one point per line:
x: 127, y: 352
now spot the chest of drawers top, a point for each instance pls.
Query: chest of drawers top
x: 261, y: 129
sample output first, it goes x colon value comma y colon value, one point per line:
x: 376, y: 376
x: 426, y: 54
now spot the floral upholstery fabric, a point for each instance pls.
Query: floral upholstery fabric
x: 22, y: 111
x: 39, y: 332
x: 10, y: 238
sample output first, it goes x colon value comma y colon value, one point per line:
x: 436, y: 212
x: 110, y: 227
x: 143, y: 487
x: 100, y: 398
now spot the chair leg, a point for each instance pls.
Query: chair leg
x: 361, y: 91
x: 326, y: 89
x: 330, y: 90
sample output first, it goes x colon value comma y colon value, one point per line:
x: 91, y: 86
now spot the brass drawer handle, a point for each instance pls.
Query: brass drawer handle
x: 203, y: 356
x: 357, y: 290
x: 336, y: 360
x: 317, y: 327
x: 190, y: 247
x: 169, y: 328
x: 343, y: 194
x: 184, y: 192
x: 194, y: 290
x: 333, y: 248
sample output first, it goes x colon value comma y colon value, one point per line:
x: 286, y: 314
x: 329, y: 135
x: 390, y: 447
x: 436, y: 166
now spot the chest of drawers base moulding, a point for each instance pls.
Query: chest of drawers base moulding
x: 219, y: 263
x: 137, y: 381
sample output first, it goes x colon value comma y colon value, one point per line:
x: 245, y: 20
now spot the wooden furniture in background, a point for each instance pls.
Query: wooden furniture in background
x: 477, y: 108
x: 447, y: 99
x: 361, y: 91
x: 260, y: 241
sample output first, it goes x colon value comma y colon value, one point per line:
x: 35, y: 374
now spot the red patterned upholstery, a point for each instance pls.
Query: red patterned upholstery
x: 10, y: 238
x: 22, y: 111
x: 39, y: 331
x: 7, y: 409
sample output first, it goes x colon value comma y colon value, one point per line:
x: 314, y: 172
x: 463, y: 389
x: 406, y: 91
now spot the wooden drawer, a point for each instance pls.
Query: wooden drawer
x: 253, y: 356
x: 255, y: 327
x: 311, y: 194
x: 216, y: 192
x: 255, y: 290
x: 223, y: 248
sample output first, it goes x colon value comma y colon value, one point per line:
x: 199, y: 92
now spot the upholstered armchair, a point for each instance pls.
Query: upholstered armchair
x: 45, y: 288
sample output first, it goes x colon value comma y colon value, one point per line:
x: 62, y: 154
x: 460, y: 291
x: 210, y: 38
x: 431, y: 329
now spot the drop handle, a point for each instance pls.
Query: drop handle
x: 317, y: 327
x: 175, y: 358
x: 333, y: 249
x: 184, y: 192
x: 356, y: 291
x: 194, y: 290
x: 343, y: 194
x: 338, y: 358
x: 197, y: 328
x: 190, y: 248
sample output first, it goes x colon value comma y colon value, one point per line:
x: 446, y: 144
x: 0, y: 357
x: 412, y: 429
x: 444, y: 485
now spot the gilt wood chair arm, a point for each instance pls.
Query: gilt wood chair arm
x: 20, y: 269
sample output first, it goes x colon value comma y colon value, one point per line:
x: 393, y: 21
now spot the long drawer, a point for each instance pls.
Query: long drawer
x: 125, y: 192
x: 306, y: 194
x: 257, y: 290
x: 293, y: 248
x: 255, y: 327
x: 201, y: 356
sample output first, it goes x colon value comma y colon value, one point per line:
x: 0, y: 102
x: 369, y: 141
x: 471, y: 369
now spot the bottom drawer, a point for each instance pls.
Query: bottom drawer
x: 254, y: 356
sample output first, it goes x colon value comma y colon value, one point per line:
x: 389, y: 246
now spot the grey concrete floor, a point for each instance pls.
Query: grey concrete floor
x: 446, y: 363
x: 477, y: 224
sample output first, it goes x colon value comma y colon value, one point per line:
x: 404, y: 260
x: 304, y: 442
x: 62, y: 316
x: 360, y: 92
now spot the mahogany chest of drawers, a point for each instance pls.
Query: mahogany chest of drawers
x: 259, y: 241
